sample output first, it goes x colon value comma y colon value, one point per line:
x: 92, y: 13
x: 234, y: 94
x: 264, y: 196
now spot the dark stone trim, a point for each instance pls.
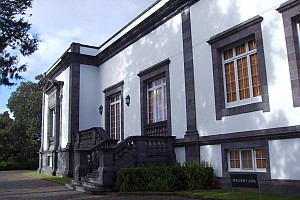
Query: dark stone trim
x: 291, y: 14
x: 189, y: 73
x: 72, y: 54
x: 112, y: 89
x: 154, y: 67
x: 51, y: 85
x: 244, y: 31
x: 261, y: 144
x: 264, y: 134
x: 147, y: 75
x: 225, y: 34
x: 109, y: 92
x: 288, y: 5
x: 162, y: 15
x: 74, y: 98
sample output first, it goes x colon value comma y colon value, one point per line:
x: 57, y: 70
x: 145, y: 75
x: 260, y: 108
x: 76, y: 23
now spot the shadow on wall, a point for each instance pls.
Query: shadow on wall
x: 218, y: 21
x: 285, y: 159
x: 284, y: 154
x: 162, y: 43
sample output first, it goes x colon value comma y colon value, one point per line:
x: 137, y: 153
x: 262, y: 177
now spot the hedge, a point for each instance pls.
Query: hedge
x: 167, y: 178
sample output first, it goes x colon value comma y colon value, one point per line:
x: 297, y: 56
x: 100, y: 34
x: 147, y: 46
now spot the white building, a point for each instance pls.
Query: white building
x: 223, y: 77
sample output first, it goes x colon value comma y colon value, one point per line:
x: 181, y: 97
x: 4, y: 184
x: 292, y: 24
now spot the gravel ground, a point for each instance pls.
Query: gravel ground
x: 15, y: 185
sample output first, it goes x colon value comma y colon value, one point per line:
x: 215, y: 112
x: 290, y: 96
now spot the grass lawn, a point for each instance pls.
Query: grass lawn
x: 199, y: 194
x: 49, y: 178
x: 237, y: 195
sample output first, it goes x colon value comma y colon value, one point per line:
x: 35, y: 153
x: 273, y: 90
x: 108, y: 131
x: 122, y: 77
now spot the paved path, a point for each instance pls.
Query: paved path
x: 15, y: 185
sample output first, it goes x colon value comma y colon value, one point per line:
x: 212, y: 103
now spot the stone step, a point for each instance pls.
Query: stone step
x: 92, y: 175
x: 87, y: 187
x: 90, y: 179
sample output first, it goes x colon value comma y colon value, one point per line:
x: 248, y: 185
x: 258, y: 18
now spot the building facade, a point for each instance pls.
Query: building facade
x: 221, y: 77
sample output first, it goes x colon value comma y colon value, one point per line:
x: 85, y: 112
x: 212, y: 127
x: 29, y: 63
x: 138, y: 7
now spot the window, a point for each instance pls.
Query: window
x: 115, y: 117
x: 241, y: 75
x: 247, y: 160
x: 49, y: 161
x: 291, y: 21
x: 239, y: 71
x: 51, y: 122
x: 157, y: 100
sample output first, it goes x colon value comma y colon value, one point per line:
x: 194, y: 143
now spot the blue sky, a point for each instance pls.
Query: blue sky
x: 61, y: 22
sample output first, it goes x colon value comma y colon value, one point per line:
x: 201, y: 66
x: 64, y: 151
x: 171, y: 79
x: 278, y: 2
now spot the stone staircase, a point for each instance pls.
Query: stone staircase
x: 98, y: 160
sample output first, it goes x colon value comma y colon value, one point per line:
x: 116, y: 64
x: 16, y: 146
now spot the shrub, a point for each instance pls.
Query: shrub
x: 167, y: 178
x: 200, y: 176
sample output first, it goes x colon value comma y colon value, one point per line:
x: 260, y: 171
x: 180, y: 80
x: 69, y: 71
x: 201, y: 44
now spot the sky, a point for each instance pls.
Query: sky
x: 61, y: 22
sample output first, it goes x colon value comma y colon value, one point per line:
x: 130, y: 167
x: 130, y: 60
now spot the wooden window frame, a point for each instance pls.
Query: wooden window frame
x: 234, y: 59
x: 250, y: 29
x: 253, y: 168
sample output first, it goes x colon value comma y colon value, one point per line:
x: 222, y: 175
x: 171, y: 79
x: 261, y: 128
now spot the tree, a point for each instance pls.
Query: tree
x: 19, y: 137
x: 15, y: 38
x: 26, y: 105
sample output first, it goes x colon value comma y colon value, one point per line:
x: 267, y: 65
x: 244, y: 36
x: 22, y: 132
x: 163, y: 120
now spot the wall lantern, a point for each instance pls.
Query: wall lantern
x: 101, y: 110
x: 127, y: 100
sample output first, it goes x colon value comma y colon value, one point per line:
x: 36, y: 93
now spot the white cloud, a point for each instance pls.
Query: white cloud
x: 61, y: 22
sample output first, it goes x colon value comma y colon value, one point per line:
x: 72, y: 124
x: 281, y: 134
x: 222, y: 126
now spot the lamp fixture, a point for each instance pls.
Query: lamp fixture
x: 101, y: 110
x: 127, y: 100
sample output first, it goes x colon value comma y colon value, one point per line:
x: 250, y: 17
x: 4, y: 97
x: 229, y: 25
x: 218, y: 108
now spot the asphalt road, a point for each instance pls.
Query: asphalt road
x: 15, y: 185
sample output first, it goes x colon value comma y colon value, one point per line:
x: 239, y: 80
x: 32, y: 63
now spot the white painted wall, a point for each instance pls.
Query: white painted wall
x: 162, y: 43
x: 212, y: 154
x: 285, y: 159
x: 89, y: 98
x: 209, y: 18
x: 65, y: 115
x: 180, y: 155
x: 45, y: 123
x: 88, y: 51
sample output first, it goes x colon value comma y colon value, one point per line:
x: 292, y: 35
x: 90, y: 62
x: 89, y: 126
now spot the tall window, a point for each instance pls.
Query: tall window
x: 115, y: 117
x: 247, y: 160
x: 157, y: 100
x: 51, y: 122
x: 241, y: 75
x: 239, y: 69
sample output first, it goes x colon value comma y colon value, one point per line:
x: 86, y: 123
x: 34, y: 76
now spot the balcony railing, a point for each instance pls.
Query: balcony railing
x: 157, y: 129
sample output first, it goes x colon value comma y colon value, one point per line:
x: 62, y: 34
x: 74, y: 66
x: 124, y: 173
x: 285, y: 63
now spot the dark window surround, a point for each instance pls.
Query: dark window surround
x: 109, y: 92
x: 262, y: 144
x: 147, y: 75
x: 241, y: 32
x: 291, y: 14
x: 53, y: 89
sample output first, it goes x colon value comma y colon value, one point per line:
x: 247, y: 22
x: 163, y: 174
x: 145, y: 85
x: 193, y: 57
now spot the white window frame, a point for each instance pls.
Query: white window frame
x: 155, y: 88
x: 115, y: 103
x: 254, y: 164
x: 298, y: 33
x: 234, y: 59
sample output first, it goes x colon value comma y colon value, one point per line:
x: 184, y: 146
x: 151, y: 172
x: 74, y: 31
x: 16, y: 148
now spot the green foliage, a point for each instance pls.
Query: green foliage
x: 26, y: 105
x: 200, y: 176
x: 163, y: 178
x: 15, y: 38
x: 19, y: 137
